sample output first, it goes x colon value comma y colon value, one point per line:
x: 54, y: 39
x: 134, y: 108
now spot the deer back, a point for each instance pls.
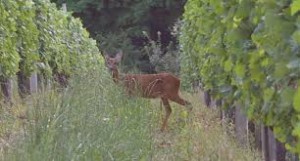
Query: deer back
x: 151, y: 85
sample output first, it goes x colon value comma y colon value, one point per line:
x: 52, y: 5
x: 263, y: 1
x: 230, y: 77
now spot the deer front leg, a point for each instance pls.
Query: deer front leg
x: 168, y: 111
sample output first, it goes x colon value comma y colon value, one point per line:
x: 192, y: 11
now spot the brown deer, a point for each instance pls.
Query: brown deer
x: 163, y: 85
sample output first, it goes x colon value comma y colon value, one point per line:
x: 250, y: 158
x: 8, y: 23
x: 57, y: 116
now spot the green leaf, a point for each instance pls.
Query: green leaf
x: 228, y: 65
x: 279, y: 130
x: 268, y: 94
x: 296, y: 36
x: 240, y: 70
x: 295, y: 6
x: 296, y: 131
x: 286, y: 96
x: 281, y: 70
x: 296, y: 102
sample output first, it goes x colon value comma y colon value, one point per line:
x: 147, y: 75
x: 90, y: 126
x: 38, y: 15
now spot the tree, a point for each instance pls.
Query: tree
x: 119, y: 24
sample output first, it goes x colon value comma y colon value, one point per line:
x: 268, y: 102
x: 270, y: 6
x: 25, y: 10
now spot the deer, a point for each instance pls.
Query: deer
x: 162, y: 85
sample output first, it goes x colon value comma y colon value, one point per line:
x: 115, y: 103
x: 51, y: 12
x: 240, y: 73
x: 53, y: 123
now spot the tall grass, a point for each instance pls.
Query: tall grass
x: 93, y: 120
x: 201, y: 136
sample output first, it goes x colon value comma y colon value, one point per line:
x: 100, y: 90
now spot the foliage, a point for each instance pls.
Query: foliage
x: 35, y: 36
x: 9, y: 57
x: 111, y: 43
x: 113, y: 15
x: 94, y: 120
x: 164, y: 60
x: 119, y: 25
x: 248, y: 51
x: 85, y: 122
x: 27, y: 36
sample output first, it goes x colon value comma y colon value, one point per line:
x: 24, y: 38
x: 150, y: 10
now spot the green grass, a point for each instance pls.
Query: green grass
x: 94, y: 120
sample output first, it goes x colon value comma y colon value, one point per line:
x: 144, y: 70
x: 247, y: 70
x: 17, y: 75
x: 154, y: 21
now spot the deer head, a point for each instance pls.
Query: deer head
x: 112, y: 62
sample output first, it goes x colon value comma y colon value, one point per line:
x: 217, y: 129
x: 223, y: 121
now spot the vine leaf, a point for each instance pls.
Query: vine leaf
x: 240, y: 70
x: 228, y: 65
x: 296, y: 102
x: 295, y: 6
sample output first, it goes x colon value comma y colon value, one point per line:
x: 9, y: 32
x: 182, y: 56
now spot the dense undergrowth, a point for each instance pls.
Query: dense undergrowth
x: 93, y: 120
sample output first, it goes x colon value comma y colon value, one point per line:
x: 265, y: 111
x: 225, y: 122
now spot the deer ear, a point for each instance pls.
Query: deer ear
x: 119, y: 55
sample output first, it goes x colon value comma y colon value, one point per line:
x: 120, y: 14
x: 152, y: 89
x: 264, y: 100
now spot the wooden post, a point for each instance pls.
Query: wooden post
x: 27, y: 85
x: 241, y: 125
x: 207, y: 98
x: 258, y: 136
x: 271, y: 145
x: 264, y: 141
x: 23, y: 84
x: 33, y: 83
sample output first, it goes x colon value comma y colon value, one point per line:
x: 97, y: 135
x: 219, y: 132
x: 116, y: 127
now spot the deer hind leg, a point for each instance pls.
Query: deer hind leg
x: 168, y: 111
x: 161, y: 111
x: 176, y: 98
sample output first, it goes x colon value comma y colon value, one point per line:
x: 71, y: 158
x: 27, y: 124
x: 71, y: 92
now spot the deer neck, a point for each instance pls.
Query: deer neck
x: 115, y: 75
